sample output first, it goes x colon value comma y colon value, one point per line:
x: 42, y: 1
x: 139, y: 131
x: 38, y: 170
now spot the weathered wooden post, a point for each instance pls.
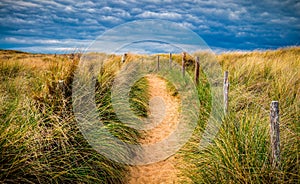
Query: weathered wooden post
x: 197, y: 66
x: 170, y: 59
x: 124, y: 58
x: 72, y: 56
x: 183, y: 63
x: 226, y: 90
x: 274, y: 134
x: 61, y: 87
x: 158, y: 62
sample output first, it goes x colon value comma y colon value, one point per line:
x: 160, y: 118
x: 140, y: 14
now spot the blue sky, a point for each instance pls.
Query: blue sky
x: 59, y: 26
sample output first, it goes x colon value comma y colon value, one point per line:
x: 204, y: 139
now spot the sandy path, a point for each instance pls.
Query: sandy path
x: 164, y: 171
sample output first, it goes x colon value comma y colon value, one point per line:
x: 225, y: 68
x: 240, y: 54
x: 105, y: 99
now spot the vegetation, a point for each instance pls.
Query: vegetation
x: 40, y: 140
x: 241, y: 151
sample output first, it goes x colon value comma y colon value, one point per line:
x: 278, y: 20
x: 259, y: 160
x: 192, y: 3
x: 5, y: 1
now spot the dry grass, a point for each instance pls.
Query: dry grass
x: 40, y: 140
x: 241, y: 151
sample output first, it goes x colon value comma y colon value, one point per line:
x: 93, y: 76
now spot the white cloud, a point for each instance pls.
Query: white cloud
x: 89, y: 21
x: 15, y: 20
x: 69, y: 9
x: 32, y: 40
x: 111, y: 19
x: 284, y: 20
x: 91, y: 10
x: 136, y: 10
x: 187, y: 25
x: 27, y: 4
x: 21, y: 3
x: 121, y: 13
x: 106, y: 9
x: 193, y: 18
x: 85, y: 4
x: 217, y: 20
x: 65, y: 19
x: 163, y: 15
x: 50, y: 3
x: 116, y: 12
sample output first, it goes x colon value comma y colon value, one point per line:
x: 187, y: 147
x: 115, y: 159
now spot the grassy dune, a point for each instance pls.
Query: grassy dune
x: 39, y: 138
x: 41, y: 142
x: 241, y: 151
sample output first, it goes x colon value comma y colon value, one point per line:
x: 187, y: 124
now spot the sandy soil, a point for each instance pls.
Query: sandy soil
x: 164, y: 171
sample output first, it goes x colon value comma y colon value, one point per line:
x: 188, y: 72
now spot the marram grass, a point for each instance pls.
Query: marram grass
x: 39, y: 138
x: 40, y: 141
x: 240, y: 153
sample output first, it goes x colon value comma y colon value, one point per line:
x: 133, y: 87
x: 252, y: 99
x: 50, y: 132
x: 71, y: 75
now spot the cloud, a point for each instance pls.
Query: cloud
x: 31, y: 41
x: 45, y: 45
x: 187, y: 25
x: 111, y: 19
x: 224, y: 24
x: 163, y: 15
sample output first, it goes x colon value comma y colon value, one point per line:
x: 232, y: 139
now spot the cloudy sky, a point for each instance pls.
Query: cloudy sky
x: 60, y: 25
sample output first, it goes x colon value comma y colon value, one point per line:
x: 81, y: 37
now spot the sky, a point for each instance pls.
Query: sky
x: 60, y: 26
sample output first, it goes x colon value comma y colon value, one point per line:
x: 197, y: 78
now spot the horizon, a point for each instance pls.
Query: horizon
x: 76, y: 51
x: 61, y: 26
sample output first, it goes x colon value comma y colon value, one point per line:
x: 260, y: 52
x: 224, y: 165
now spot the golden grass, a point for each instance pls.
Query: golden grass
x: 40, y: 141
x: 39, y: 137
x: 241, y: 151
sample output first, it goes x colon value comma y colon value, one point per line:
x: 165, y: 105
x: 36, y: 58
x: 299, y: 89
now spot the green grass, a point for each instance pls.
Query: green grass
x: 41, y: 142
x: 240, y: 153
x: 39, y: 138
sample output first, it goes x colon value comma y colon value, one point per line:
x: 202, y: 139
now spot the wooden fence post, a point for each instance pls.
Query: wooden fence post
x: 183, y: 63
x: 197, y: 70
x: 124, y: 58
x: 226, y: 90
x: 274, y: 134
x: 61, y: 87
x: 170, y: 59
x: 157, y: 62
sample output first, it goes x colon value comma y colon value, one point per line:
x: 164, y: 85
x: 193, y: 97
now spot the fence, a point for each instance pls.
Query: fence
x: 274, y: 112
x: 274, y: 107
